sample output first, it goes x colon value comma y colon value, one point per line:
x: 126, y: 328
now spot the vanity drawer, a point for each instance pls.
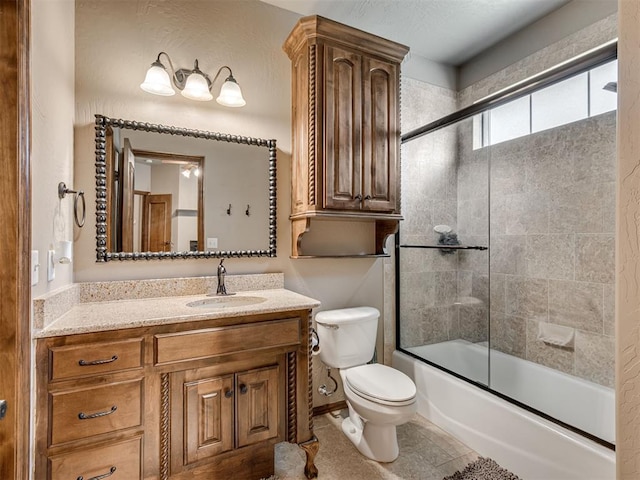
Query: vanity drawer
x: 211, y: 342
x: 95, y: 358
x: 119, y: 461
x: 91, y: 411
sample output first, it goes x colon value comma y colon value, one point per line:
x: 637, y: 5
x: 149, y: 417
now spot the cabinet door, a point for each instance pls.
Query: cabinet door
x: 342, y: 126
x: 208, y: 417
x: 380, y: 135
x: 257, y: 405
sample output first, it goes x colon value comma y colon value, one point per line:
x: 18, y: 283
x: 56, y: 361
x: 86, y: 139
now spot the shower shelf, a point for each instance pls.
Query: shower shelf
x: 447, y: 247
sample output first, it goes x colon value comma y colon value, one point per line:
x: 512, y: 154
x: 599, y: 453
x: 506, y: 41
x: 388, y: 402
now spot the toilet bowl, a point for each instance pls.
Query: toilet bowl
x: 379, y: 397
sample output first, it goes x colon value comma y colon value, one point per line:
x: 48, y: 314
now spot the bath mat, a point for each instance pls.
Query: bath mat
x: 483, y: 469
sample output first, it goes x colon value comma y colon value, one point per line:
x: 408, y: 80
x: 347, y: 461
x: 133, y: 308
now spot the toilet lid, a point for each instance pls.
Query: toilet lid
x: 381, y: 384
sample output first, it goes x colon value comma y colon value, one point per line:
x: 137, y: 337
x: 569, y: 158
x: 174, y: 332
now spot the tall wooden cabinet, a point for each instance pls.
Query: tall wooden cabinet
x: 346, y: 132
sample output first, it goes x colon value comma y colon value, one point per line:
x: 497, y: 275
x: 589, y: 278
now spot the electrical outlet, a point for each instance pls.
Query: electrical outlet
x: 35, y: 267
x: 212, y: 243
x: 51, y: 265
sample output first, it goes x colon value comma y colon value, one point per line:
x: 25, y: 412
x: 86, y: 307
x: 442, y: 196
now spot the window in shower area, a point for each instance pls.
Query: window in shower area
x: 505, y: 259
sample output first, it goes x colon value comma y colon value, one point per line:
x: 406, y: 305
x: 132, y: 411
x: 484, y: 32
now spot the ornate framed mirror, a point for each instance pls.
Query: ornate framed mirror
x: 171, y: 192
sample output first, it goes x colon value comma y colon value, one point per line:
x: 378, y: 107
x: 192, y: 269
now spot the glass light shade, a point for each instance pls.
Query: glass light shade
x: 230, y: 94
x: 157, y: 81
x: 197, y: 88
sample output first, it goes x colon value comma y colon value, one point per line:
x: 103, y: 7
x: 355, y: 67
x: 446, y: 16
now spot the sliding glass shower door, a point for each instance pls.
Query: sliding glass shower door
x: 443, y: 252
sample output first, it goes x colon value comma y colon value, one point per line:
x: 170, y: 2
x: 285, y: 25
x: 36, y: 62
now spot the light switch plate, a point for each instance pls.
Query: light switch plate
x: 51, y: 266
x: 35, y: 267
x: 212, y: 243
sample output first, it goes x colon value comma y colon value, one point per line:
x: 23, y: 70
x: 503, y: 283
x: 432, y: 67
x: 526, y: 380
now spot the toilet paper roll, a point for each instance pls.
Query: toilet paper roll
x: 315, y: 345
x: 65, y: 251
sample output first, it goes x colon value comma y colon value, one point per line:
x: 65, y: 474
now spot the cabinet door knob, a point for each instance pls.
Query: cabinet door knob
x: 243, y: 389
x: 368, y: 197
x: 358, y: 197
x: 228, y: 393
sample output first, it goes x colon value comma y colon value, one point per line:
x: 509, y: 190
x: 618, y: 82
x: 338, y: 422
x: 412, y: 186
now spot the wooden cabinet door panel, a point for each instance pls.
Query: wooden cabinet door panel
x: 380, y: 135
x: 208, y: 417
x: 343, y: 136
x: 257, y: 405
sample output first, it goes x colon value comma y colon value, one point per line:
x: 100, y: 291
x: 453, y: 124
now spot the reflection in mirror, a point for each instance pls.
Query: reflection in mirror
x: 169, y: 192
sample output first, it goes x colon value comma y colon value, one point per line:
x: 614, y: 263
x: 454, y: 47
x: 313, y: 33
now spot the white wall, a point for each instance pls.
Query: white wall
x: 52, y: 95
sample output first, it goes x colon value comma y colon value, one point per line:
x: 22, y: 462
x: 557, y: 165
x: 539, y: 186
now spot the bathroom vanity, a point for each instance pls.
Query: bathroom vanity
x: 175, y: 387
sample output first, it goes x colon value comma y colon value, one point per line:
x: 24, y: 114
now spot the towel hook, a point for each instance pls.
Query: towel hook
x: 62, y: 192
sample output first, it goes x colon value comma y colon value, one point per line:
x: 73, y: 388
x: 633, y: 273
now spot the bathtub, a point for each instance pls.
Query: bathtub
x: 523, y: 442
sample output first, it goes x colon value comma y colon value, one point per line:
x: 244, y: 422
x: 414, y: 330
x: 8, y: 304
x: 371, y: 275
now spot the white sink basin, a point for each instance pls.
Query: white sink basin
x: 215, y: 303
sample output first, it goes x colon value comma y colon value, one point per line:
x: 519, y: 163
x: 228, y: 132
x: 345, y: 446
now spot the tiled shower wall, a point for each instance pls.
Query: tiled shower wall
x: 429, y: 197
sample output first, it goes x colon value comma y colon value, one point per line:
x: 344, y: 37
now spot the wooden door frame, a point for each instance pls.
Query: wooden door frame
x: 15, y: 235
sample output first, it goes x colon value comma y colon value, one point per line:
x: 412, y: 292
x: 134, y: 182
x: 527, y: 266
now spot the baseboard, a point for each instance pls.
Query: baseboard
x: 330, y: 407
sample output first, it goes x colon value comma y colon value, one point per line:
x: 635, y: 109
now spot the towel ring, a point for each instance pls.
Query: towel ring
x: 62, y: 192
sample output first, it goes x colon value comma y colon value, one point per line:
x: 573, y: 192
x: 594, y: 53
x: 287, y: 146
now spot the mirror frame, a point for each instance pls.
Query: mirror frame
x: 102, y: 255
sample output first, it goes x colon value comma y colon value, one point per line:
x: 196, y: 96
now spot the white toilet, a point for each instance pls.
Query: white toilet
x: 379, y: 397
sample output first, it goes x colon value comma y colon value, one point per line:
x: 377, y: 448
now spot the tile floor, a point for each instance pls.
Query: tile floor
x: 426, y: 453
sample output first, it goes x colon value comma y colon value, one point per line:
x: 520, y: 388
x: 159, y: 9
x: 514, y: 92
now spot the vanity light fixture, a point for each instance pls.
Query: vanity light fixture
x: 193, y: 84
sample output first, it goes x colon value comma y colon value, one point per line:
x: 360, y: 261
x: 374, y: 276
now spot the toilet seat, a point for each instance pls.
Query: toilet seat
x: 381, y: 384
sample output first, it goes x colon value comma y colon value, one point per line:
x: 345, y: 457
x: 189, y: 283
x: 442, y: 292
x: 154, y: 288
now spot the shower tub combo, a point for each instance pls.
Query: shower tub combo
x: 504, y: 272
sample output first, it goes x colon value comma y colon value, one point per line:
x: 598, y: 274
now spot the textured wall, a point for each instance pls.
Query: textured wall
x: 115, y: 42
x: 628, y: 245
x: 52, y: 113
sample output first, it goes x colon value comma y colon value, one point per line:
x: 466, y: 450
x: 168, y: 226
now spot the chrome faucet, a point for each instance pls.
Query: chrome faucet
x: 222, y: 271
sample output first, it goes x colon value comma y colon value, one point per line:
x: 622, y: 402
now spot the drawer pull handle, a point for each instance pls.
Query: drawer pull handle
x: 243, y: 389
x: 100, y: 477
x: 358, y: 197
x: 228, y: 393
x: 367, y: 197
x: 82, y: 363
x: 83, y: 416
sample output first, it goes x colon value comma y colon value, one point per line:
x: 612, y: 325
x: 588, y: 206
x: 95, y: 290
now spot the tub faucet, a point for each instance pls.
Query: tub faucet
x: 222, y: 271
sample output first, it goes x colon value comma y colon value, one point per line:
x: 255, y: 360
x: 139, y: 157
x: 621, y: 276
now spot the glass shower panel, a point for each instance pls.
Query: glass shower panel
x: 443, y: 256
x: 552, y: 197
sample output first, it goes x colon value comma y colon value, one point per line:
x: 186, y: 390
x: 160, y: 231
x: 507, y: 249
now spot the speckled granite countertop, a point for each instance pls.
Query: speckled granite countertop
x: 95, y: 316
x: 115, y: 315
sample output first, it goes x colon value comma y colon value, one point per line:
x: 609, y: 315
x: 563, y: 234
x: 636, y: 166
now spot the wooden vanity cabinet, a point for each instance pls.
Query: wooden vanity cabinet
x: 346, y: 128
x: 207, y: 399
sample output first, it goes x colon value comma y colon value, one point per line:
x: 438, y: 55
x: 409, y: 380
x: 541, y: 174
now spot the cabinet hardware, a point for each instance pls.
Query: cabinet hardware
x: 83, y: 363
x: 367, y: 197
x: 243, y: 389
x: 228, y: 393
x: 83, y: 416
x: 358, y: 197
x: 3, y: 408
x: 100, y: 477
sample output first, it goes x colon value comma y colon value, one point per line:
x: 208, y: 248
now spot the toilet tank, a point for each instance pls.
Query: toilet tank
x: 347, y: 336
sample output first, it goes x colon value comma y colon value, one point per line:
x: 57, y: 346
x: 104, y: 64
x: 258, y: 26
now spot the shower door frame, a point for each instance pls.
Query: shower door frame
x: 580, y: 64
